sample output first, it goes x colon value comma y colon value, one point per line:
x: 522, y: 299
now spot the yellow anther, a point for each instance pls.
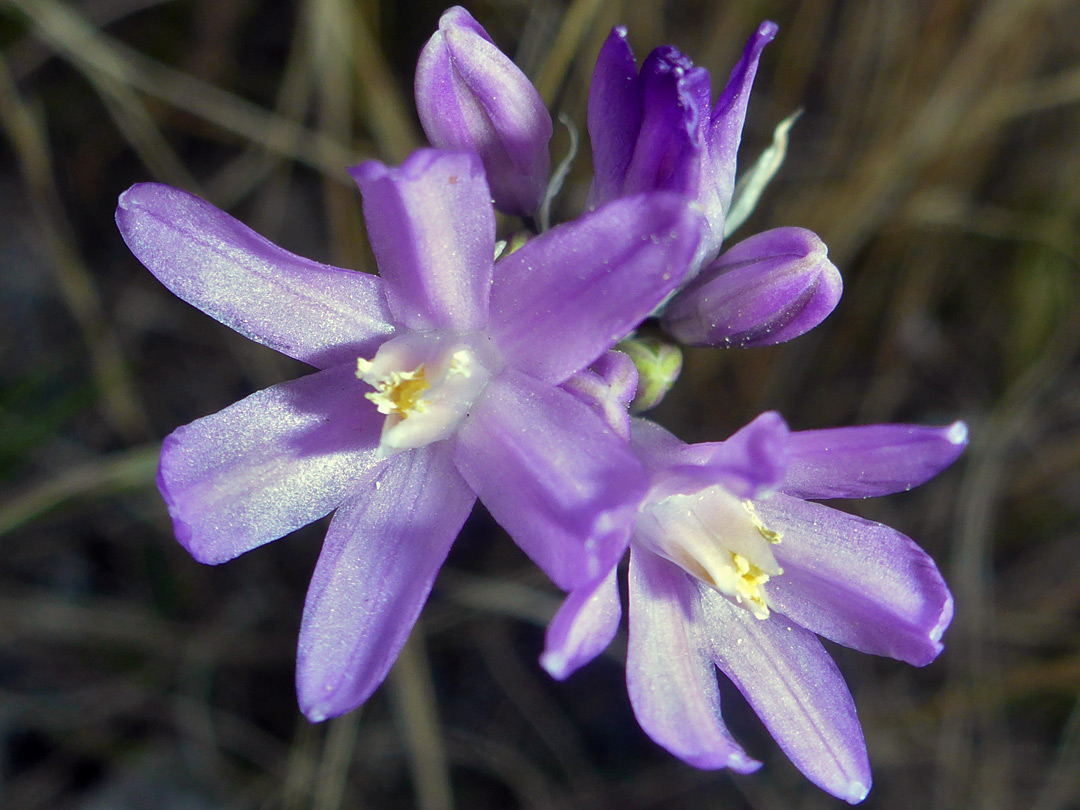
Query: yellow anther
x: 400, y: 392
x: 770, y: 535
x: 748, y: 584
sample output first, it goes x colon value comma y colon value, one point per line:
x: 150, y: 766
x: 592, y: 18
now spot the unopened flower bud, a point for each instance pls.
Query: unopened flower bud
x: 767, y: 289
x: 658, y: 365
x: 657, y: 130
x: 472, y: 97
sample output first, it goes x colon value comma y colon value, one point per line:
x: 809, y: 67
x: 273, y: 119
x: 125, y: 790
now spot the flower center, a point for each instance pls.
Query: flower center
x: 399, y: 393
x: 424, y: 385
x: 717, y: 538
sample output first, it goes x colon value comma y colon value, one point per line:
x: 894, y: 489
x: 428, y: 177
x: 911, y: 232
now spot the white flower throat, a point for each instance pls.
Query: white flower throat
x: 425, y: 385
x: 717, y: 538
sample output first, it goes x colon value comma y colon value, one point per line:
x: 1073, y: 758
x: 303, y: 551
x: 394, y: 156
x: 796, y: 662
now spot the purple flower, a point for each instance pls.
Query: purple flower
x: 654, y: 130
x: 470, y: 96
x: 457, y: 395
x: 769, y: 288
x: 733, y: 566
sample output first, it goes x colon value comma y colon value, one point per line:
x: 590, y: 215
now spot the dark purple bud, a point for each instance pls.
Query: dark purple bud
x: 614, y: 116
x: 647, y: 130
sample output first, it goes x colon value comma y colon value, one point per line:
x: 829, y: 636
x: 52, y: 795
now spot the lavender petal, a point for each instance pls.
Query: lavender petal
x: 268, y: 464
x: 313, y: 312
x: 607, y: 386
x: 751, y: 463
x: 432, y: 230
x: 375, y: 572
x: 670, y: 678
x: 603, y: 273
x: 797, y: 691
x: 583, y: 627
x: 726, y: 123
x: 669, y: 147
x: 549, y: 470
x: 614, y: 117
x: 855, y: 582
x: 870, y: 460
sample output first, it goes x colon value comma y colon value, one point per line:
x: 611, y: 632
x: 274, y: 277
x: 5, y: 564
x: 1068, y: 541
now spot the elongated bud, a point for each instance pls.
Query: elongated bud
x: 767, y: 289
x: 472, y: 97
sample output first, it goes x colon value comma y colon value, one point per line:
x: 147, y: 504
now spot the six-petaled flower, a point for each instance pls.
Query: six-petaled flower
x: 733, y: 566
x: 438, y: 383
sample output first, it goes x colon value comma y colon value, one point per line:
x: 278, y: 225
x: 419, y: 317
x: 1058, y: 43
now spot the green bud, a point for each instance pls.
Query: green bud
x: 658, y: 365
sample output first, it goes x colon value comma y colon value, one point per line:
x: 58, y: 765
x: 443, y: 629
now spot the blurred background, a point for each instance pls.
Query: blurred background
x: 938, y: 157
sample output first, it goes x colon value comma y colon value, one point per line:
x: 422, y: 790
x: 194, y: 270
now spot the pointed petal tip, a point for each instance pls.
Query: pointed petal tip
x: 856, y: 792
x: 183, y: 530
x: 455, y: 15
x: 957, y: 433
x: 143, y: 197
x: 315, y: 707
x: 767, y: 31
x: 774, y: 421
x: 456, y: 19
x: 556, y: 664
x: 323, y: 698
x: 314, y: 715
x: 737, y: 761
x: 741, y: 763
x: 927, y: 652
x: 417, y: 164
x: 944, y: 620
x: 368, y: 171
x: 320, y: 700
x: 130, y: 198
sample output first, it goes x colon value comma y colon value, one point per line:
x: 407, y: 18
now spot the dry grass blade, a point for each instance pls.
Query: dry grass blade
x: 43, y: 617
x: 256, y: 163
x: 490, y: 594
x: 977, y: 653
x: 1025, y: 99
x: 130, y: 469
x: 332, y: 778
x: 139, y: 129
x: 886, y: 173
x: 91, y: 50
x: 575, y: 27
x: 74, y: 280
x: 1063, y: 777
x: 388, y: 115
x: 417, y: 715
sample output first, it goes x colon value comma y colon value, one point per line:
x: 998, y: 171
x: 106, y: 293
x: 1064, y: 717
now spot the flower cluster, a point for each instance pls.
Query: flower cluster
x: 466, y: 371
